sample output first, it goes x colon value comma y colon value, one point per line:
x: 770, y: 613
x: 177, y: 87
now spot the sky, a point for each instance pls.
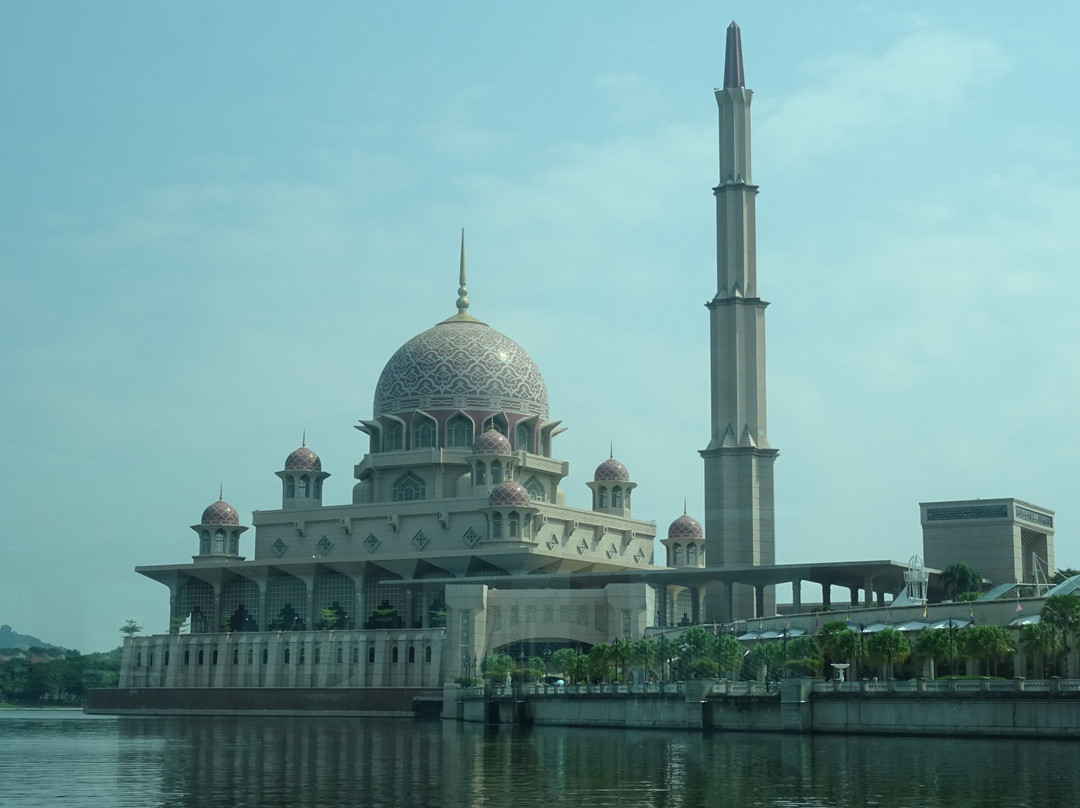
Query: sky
x: 219, y: 221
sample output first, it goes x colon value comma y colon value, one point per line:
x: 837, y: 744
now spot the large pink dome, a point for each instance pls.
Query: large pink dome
x: 461, y: 364
x: 220, y: 513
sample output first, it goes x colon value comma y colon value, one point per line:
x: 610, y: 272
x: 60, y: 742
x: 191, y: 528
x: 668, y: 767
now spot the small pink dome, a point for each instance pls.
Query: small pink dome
x: 685, y: 527
x: 220, y: 513
x: 492, y: 442
x: 303, y: 459
x: 611, y: 469
x: 509, y: 494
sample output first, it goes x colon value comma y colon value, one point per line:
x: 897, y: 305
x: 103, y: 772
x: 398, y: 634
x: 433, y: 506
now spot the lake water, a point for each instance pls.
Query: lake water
x: 53, y: 758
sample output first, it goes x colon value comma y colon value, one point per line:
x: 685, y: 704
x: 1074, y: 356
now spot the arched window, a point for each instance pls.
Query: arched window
x: 394, y: 654
x: 523, y: 438
x: 371, y: 656
x: 427, y: 654
x: 187, y: 656
x: 395, y: 437
x: 340, y: 655
x: 513, y: 524
x: 219, y: 541
x: 138, y: 659
x: 458, y: 431
x: 526, y: 532
x: 408, y: 487
x: 691, y: 555
x: 677, y: 551
x: 302, y: 487
x: 496, y: 525
x: 601, y: 497
x: 287, y: 655
x: 166, y: 660
x: 616, y: 497
x: 236, y: 656
x: 424, y: 435
x: 316, y: 488
x: 200, y: 656
x: 302, y: 656
x: 535, y: 489
x: 496, y: 472
x: 318, y: 654
x: 412, y: 654
x: 204, y: 544
x: 251, y: 656
x: 356, y: 654
x: 234, y: 543
x: 151, y: 662
x: 290, y: 487
x: 266, y: 655
x: 480, y: 474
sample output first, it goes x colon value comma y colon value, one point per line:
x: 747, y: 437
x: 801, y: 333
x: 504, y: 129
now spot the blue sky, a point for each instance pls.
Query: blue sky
x: 218, y: 221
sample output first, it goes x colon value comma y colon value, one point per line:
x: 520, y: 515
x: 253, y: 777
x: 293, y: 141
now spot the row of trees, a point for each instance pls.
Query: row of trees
x: 699, y: 653
x: 35, y: 678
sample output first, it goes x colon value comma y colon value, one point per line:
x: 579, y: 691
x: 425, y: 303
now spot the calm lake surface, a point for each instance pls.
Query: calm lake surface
x: 54, y: 758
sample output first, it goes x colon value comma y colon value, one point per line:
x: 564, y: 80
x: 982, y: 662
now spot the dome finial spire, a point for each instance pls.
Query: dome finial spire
x: 684, y: 506
x: 221, y: 492
x: 463, y: 289
x: 303, y: 439
x: 611, y: 451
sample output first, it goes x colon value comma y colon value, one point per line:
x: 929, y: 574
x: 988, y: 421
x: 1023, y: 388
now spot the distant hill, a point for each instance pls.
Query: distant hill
x: 9, y: 638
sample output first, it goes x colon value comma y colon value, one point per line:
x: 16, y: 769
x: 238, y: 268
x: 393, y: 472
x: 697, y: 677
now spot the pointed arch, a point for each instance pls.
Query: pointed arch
x: 408, y: 487
x: 459, y: 431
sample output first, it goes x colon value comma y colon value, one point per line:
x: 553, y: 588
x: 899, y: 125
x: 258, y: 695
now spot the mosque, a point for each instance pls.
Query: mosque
x: 458, y: 542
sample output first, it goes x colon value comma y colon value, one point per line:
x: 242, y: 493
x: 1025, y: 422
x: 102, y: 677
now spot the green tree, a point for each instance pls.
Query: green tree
x: 803, y: 656
x: 959, y: 578
x: 765, y: 660
x: 1064, y: 574
x: 496, y: 667
x: 696, y: 649
x: 889, y: 648
x: 1063, y: 613
x: 1040, y: 641
x: 729, y: 653
x: 601, y: 663
x: 130, y: 628
x: 642, y: 655
x: 986, y: 643
x: 932, y: 644
x: 329, y: 619
x: 837, y: 641
x: 570, y: 662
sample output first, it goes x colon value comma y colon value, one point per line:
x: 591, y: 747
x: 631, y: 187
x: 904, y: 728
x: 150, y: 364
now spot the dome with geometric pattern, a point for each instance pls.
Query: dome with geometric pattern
x: 509, y: 494
x: 220, y: 513
x: 611, y: 469
x: 461, y: 365
x: 685, y: 527
x: 303, y: 459
x: 492, y: 442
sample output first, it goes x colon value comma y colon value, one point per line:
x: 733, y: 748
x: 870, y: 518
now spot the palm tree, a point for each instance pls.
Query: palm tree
x: 1063, y: 613
x: 989, y: 643
x: 888, y: 647
x: 932, y: 644
x: 730, y: 655
x: 958, y: 579
x: 1040, y: 642
x: 837, y: 641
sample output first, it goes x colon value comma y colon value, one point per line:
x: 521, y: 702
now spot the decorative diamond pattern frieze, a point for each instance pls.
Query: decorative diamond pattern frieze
x: 280, y: 547
x: 420, y: 540
x: 612, y: 552
x: 640, y: 554
x: 470, y: 537
x: 372, y: 542
x: 552, y: 543
x: 583, y: 547
x: 324, y: 545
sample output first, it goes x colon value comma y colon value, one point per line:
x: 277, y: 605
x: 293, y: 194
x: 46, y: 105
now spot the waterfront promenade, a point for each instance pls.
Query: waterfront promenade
x: 950, y: 707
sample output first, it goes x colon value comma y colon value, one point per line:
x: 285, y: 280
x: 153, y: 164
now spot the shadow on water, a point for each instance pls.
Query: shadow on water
x: 275, y: 761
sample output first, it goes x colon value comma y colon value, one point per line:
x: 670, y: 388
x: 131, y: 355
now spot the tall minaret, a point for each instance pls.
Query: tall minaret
x: 739, y: 528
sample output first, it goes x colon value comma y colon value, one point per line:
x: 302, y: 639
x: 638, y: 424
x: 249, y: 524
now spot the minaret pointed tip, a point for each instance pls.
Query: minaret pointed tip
x: 734, y: 76
x: 221, y: 492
